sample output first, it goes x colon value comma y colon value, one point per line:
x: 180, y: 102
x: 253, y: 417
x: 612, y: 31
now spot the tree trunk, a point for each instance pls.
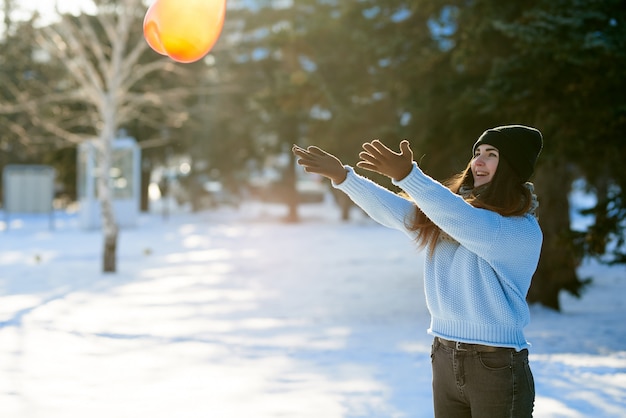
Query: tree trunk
x: 109, y: 255
x: 290, y: 136
x: 558, y: 263
x: 109, y: 224
x: 105, y: 192
x: 146, y: 170
x: 344, y: 203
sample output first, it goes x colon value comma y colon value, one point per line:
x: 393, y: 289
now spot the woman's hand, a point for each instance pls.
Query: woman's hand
x: 377, y: 157
x: 316, y: 160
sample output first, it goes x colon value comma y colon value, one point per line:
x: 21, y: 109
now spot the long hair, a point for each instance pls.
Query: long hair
x: 505, y: 194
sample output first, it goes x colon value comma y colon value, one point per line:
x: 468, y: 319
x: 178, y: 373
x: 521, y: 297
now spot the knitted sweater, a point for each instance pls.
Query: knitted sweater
x: 477, y: 277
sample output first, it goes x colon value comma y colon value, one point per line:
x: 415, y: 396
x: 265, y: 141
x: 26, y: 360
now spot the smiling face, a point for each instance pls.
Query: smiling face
x: 484, y: 164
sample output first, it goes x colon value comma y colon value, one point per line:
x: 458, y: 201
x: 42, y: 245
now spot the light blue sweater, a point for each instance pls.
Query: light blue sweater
x: 477, y: 279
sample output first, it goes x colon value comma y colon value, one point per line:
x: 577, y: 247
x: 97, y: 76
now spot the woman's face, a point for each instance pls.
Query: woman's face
x: 484, y: 164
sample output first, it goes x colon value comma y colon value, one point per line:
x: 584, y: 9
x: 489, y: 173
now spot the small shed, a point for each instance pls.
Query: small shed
x: 28, y: 189
x: 125, y: 183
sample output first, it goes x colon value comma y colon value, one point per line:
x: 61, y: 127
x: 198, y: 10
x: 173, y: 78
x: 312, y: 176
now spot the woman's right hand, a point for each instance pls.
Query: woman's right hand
x: 316, y: 160
x: 377, y: 157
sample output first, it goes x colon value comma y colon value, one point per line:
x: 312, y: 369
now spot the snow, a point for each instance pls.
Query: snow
x: 232, y: 313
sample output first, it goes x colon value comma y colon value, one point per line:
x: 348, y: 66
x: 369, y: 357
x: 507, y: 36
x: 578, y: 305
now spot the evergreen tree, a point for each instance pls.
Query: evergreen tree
x: 554, y: 65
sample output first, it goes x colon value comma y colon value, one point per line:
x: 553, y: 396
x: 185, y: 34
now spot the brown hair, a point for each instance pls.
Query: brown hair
x: 505, y: 194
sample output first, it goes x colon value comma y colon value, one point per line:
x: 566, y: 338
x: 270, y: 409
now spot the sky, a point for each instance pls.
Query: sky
x: 231, y: 313
x: 46, y: 8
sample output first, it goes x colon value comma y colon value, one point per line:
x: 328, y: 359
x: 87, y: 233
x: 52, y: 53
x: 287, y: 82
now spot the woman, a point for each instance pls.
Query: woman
x: 483, y: 243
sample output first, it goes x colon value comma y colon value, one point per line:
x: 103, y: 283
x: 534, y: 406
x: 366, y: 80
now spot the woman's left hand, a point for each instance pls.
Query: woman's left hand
x: 381, y: 159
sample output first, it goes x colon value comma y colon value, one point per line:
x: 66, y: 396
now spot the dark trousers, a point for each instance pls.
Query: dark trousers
x: 469, y: 383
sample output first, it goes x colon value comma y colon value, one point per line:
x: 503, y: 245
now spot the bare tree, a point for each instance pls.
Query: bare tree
x: 103, y: 58
x: 7, y: 8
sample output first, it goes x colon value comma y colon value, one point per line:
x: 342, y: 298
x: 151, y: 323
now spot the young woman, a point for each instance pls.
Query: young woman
x: 483, y: 243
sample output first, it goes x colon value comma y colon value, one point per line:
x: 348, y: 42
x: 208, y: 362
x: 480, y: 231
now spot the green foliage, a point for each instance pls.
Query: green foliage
x: 564, y: 72
x: 556, y: 65
x: 21, y: 75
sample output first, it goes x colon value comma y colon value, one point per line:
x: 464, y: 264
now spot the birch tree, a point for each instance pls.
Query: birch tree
x: 104, y: 55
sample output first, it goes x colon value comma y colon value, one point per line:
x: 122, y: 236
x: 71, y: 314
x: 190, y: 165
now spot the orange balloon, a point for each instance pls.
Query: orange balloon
x: 184, y: 30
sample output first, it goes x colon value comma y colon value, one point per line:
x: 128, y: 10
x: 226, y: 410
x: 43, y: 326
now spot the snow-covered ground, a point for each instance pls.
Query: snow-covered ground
x: 234, y: 314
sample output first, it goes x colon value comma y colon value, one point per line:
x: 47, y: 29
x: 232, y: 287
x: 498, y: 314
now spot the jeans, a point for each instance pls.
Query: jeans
x: 469, y: 383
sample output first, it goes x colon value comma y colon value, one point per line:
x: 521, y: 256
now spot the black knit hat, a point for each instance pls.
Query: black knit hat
x: 519, y: 145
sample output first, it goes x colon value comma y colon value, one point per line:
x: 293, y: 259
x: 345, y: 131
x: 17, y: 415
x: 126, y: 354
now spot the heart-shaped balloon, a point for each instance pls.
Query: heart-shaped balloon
x: 184, y: 30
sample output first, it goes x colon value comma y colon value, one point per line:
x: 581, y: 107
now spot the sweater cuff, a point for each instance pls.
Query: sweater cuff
x: 350, y: 173
x: 415, y: 176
